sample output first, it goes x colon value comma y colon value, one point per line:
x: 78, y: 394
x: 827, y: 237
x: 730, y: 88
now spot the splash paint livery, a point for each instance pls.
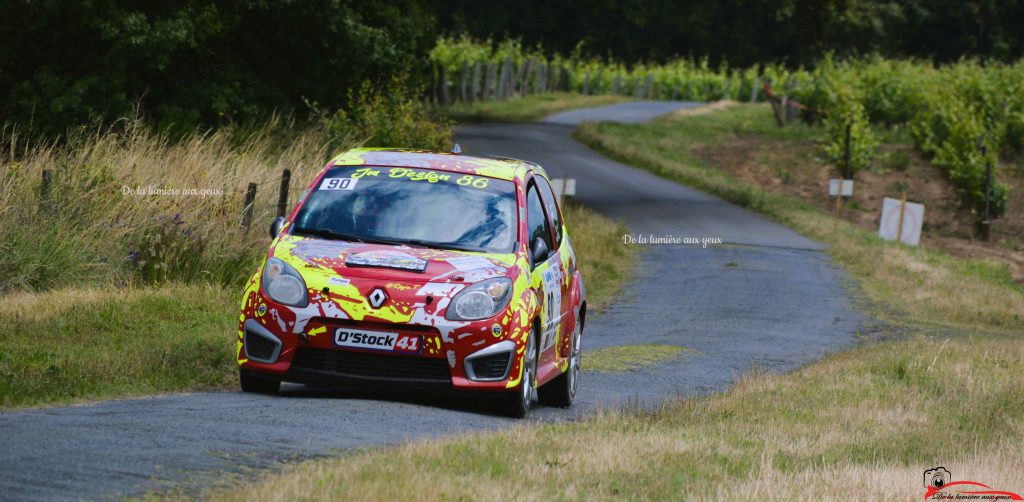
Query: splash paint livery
x: 381, y: 313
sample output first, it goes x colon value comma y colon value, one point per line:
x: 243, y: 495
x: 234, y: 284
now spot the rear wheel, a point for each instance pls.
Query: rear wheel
x: 561, y: 391
x: 517, y: 404
x: 258, y: 383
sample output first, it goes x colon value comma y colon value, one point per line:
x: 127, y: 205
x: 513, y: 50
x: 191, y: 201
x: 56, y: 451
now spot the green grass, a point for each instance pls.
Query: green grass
x: 604, y: 262
x: 881, y: 414
x: 868, y: 420
x: 528, y: 109
x: 622, y: 358
x: 68, y: 345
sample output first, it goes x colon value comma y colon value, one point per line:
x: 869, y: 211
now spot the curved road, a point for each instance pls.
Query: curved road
x: 767, y: 297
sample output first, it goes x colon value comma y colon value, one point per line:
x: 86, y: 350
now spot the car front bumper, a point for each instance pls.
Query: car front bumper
x: 311, y: 357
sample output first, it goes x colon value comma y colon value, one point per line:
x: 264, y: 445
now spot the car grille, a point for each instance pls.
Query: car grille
x: 258, y: 347
x: 367, y: 365
x: 490, y: 367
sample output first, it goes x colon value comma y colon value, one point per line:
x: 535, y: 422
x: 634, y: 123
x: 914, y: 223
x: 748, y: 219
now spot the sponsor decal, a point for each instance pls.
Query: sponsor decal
x: 261, y: 310
x: 386, y: 259
x: 469, y: 262
x: 310, y: 250
x: 417, y: 175
x: 377, y: 340
x: 337, y: 281
x: 939, y: 485
x: 338, y: 183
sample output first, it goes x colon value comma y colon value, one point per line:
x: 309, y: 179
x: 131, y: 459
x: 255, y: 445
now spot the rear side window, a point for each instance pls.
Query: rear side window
x: 536, y: 221
x: 551, y: 202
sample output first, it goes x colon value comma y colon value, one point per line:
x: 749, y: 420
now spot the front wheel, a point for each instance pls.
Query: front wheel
x: 517, y: 404
x: 561, y: 391
x: 256, y: 383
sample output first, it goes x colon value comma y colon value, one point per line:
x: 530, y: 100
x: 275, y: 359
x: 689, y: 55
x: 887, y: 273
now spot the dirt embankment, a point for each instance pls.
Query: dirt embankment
x: 797, y: 168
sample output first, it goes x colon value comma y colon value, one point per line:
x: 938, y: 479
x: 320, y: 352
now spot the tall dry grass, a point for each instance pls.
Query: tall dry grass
x: 128, y: 205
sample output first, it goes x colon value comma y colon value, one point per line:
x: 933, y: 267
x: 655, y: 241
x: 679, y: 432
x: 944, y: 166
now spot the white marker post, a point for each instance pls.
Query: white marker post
x: 839, y: 188
x: 563, y: 187
x: 901, y: 221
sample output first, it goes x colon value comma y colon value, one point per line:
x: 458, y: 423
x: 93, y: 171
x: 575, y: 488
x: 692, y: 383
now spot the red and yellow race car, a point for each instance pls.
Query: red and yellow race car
x: 419, y: 270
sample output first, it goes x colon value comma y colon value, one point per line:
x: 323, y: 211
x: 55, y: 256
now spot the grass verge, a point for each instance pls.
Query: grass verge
x: 527, y: 109
x: 71, y: 344
x: 622, y: 358
x: 603, y: 261
x: 74, y: 344
x: 880, y: 414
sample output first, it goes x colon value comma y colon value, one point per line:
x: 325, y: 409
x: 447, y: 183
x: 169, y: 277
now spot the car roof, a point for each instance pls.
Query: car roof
x: 491, y: 166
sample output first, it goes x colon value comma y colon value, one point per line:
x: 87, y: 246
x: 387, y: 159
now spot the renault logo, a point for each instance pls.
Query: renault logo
x: 378, y: 297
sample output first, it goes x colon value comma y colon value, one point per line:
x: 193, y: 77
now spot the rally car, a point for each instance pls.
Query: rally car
x: 419, y: 270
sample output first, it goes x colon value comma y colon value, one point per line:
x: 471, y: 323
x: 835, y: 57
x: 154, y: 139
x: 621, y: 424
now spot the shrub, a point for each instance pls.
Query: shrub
x: 847, y: 111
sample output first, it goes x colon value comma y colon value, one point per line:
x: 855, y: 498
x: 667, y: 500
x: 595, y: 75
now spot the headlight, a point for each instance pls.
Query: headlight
x: 481, y: 300
x: 284, y: 284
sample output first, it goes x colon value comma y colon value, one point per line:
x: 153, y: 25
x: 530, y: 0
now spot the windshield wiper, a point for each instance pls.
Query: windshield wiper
x: 439, y: 245
x: 330, y: 234
x: 327, y: 234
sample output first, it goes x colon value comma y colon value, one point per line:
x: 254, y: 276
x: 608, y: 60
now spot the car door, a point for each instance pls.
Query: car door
x: 554, y: 214
x: 547, y: 273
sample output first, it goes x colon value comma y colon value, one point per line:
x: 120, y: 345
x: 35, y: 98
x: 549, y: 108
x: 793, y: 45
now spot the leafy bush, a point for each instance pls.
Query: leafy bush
x: 391, y: 117
x: 954, y: 132
x: 847, y: 111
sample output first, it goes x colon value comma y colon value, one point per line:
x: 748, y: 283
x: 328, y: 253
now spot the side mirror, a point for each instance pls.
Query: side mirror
x: 539, y: 252
x: 275, y: 226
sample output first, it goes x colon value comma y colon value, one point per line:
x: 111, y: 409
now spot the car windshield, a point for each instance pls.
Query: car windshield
x: 418, y: 207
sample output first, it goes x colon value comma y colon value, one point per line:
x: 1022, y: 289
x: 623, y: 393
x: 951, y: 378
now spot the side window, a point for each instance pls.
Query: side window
x: 536, y: 221
x: 550, y: 202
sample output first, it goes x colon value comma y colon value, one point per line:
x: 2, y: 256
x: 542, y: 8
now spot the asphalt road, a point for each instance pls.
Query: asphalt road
x: 765, y: 298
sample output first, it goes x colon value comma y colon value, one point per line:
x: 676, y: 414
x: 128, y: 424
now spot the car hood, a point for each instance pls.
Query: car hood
x: 315, y: 256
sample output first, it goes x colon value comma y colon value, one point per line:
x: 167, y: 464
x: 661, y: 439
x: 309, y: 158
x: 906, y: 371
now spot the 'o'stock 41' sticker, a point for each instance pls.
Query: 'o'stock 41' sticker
x: 338, y: 183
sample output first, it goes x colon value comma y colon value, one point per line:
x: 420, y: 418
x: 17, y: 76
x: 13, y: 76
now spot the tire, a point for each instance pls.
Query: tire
x: 561, y: 392
x: 257, y: 383
x: 517, y: 404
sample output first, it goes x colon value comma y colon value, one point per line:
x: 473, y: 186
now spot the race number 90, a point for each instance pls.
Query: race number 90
x: 338, y: 183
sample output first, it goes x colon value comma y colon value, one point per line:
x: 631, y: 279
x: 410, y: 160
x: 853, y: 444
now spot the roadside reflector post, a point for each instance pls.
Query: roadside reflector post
x: 250, y: 198
x: 282, y: 198
x: 844, y: 187
x: 563, y: 187
x: 839, y: 188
